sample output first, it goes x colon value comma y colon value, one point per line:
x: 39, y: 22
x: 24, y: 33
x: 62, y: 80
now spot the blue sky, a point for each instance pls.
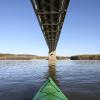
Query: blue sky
x: 21, y: 33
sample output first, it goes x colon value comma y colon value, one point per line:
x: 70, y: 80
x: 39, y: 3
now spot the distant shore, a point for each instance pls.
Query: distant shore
x: 33, y: 57
x: 86, y: 57
x: 20, y: 57
x: 26, y: 57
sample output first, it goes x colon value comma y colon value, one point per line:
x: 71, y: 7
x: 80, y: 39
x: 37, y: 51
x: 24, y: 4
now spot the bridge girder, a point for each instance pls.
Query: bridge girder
x: 51, y: 15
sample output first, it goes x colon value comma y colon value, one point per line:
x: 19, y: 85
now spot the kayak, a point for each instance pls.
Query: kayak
x: 49, y: 91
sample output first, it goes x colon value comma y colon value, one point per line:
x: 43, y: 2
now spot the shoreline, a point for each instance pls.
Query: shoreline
x: 27, y: 57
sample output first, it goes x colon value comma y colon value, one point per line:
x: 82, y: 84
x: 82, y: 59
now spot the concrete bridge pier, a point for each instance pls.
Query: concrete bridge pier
x: 52, y: 58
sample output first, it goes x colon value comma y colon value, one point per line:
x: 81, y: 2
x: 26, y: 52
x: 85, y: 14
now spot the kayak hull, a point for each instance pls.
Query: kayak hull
x: 49, y: 91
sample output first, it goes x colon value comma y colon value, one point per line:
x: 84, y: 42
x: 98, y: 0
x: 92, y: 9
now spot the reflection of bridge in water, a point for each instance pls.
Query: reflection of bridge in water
x: 51, y: 15
x: 52, y: 72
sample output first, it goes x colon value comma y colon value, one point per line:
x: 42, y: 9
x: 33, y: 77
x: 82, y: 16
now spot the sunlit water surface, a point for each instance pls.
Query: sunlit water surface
x: 20, y: 80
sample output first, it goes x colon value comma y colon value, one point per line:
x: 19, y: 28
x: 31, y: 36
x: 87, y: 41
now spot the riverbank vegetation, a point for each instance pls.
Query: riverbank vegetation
x: 26, y: 57
x: 86, y: 57
x: 20, y: 57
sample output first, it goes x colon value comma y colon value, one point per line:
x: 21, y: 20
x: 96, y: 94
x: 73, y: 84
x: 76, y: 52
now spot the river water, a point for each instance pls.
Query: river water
x: 20, y: 80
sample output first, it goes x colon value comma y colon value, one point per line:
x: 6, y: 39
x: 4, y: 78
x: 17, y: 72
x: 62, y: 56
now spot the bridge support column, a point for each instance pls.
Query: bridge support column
x: 52, y: 58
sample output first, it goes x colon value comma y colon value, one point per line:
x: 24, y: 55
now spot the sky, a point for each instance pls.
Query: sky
x: 20, y: 32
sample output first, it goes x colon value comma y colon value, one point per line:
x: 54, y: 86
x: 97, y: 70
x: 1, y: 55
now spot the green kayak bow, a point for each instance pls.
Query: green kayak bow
x: 49, y: 91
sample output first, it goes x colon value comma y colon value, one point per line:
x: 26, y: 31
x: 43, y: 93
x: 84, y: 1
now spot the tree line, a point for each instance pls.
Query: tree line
x: 85, y: 57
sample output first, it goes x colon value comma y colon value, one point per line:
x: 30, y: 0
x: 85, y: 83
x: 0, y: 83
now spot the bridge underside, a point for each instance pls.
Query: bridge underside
x: 51, y: 14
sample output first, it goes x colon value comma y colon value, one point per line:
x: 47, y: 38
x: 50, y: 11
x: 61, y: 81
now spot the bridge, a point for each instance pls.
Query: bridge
x: 51, y: 15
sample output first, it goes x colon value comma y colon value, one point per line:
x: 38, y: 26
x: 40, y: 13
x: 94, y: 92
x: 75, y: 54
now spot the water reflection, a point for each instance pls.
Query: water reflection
x: 52, y: 73
x: 87, y: 62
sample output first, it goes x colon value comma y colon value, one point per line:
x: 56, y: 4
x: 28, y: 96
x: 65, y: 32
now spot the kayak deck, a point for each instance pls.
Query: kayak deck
x: 49, y: 91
